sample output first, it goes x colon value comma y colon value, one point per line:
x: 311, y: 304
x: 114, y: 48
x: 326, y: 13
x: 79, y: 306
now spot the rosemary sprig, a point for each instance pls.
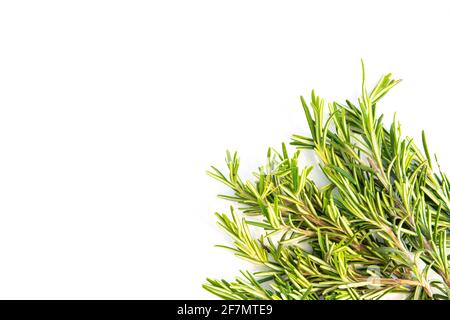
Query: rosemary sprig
x: 380, y: 226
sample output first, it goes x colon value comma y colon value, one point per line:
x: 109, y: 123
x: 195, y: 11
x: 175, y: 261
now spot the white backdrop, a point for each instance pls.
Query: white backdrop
x: 111, y: 111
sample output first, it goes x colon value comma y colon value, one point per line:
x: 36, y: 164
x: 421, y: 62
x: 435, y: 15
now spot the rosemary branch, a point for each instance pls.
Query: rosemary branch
x: 380, y: 226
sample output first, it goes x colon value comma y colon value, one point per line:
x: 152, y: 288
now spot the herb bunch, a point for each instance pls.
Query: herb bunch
x: 379, y: 226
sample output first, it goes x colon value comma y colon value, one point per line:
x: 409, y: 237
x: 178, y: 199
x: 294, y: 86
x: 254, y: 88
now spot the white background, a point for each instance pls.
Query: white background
x: 111, y: 111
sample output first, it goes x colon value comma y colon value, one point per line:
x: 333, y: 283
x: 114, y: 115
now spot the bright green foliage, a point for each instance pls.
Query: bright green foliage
x: 380, y: 226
